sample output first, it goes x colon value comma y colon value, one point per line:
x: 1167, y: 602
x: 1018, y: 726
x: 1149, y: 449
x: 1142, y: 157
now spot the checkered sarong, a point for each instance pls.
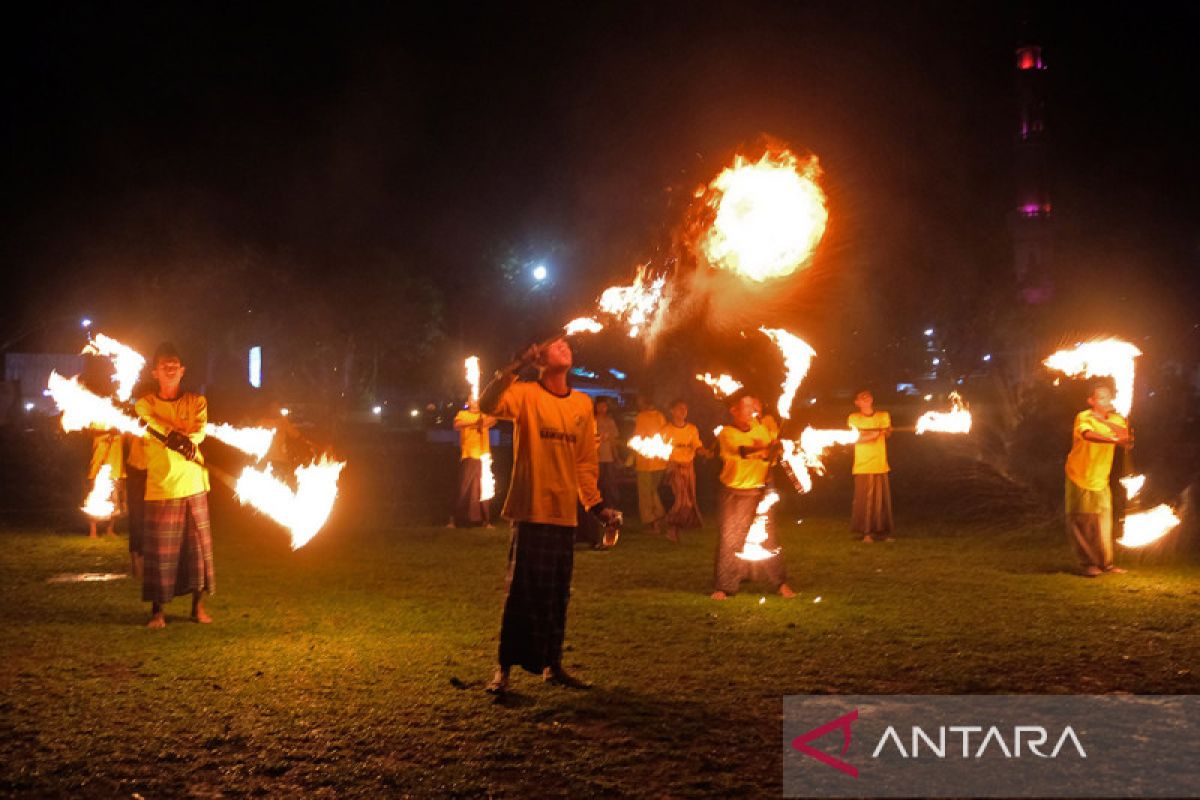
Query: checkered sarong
x: 540, y: 560
x: 177, y: 548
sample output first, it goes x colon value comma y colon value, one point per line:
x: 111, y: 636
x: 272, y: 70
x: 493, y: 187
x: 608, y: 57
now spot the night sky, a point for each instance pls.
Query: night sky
x: 395, y: 152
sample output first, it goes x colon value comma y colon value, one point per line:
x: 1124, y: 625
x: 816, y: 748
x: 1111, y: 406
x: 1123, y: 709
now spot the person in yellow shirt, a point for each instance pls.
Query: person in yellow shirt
x: 473, y: 433
x: 747, y: 450
x: 107, y: 452
x: 871, y: 512
x: 650, y: 471
x: 1096, y: 433
x: 554, y: 469
x: 680, y: 479
x: 178, y: 537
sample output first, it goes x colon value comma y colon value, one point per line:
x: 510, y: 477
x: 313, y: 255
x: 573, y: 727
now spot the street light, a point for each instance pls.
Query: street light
x: 540, y: 273
x: 85, y: 323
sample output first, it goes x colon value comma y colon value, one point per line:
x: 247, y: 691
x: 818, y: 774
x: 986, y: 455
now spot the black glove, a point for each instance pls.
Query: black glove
x: 181, y: 444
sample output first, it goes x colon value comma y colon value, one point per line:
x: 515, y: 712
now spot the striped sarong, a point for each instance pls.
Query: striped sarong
x: 177, y: 548
x: 681, y: 480
x: 1090, y: 525
x: 540, y: 561
x: 871, y: 513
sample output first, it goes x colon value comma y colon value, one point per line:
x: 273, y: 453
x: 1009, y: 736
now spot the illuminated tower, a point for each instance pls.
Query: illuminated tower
x: 1033, y: 240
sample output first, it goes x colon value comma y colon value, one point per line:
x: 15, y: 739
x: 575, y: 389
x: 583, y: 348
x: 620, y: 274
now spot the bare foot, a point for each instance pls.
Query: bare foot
x: 499, y: 684
x: 557, y: 676
x: 867, y: 539
x: 1114, y: 571
x: 786, y: 592
x: 157, y: 621
x: 201, y: 616
x: 719, y: 595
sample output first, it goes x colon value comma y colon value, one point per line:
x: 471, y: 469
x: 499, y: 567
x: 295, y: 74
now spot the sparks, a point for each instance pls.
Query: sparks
x: 1146, y: 527
x: 752, y: 548
x: 722, y: 385
x: 651, y: 446
x: 956, y: 420
x: 1104, y: 358
x: 82, y: 408
x: 252, y: 441
x: 303, y: 511
x: 797, y: 358
x: 99, y: 504
x: 637, y: 305
x: 127, y: 362
x: 769, y: 216
x: 582, y: 325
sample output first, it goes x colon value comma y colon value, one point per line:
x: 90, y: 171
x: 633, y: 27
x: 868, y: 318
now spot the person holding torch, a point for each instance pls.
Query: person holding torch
x: 554, y: 467
x: 1096, y: 433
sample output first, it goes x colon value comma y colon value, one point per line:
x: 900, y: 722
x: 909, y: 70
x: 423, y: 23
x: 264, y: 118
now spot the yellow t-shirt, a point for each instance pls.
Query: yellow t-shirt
x: 170, y: 475
x: 647, y: 424
x: 106, y: 449
x: 685, y: 440
x: 870, y: 458
x: 738, y: 472
x: 474, y: 442
x: 1089, y: 463
x: 554, y: 454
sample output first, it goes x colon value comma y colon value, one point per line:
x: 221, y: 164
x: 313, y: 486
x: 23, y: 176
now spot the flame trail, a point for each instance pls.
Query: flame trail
x: 99, y: 504
x: 1111, y: 357
x: 582, y: 325
x: 768, y: 216
x: 637, y: 305
x: 303, y: 511
x: 651, y: 446
x: 1133, y: 484
x: 127, y: 362
x: 752, y: 548
x: 956, y: 420
x: 252, y: 441
x: 1145, y: 527
x: 805, y: 457
x: 797, y: 358
x: 722, y: 385
x: 82, y: 409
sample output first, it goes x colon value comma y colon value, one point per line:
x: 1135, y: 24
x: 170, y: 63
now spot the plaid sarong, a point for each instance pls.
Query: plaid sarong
x: 177, y: 548
x: 681, y: 480
x: 737, y: 507
x: 540, y: 560
x: 871, y: 513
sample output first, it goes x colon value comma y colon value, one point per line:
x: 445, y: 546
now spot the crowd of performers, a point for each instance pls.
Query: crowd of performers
x: 565, y: 453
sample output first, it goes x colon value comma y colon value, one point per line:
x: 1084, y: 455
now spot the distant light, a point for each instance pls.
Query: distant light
x: 255, y: 363
x: 85, y: 323
x: 283, y: 412
x: 987, y: 357
x: 937, y: 361
x: 928, y: 397
x: 616, y: 373
x: 29, y: 406
x: 377, y: 410
x: 812, y: 401
x: 929, y: 331
x: 46, y: 392
x: 416, y: 412
x: 540, y: 272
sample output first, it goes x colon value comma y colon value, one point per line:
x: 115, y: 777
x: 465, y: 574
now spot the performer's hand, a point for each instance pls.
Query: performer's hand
x: 181, y: 444
x: 529, y: 355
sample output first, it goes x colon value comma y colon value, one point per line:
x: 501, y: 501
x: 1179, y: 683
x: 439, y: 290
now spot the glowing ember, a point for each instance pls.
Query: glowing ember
x: 487, y: 480
x: 99, y: 504
x: 303, y: 511
x: 651, y: 446
x: 752, y: 548
x: 637, y: 304
x: 127, y: 362
x: 252, y: 441
x: 1133, y: 484
x: 1101, y: 358
x: 1146, y: 527
x: 956, y: 420
x: 83, y: 409
x: 722, y: 385
x: 769, y: 216
x: 582, y: 325
x: 797, y: 357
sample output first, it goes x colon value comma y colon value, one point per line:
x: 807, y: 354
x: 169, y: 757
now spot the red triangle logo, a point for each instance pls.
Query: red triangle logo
x: 800, y: 743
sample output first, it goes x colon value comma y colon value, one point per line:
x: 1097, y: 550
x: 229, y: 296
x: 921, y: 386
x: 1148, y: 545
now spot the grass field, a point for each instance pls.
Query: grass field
x: 354, y: 667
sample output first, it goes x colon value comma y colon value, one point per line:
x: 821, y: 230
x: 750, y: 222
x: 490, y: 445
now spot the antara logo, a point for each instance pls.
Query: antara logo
x: 842, y: 723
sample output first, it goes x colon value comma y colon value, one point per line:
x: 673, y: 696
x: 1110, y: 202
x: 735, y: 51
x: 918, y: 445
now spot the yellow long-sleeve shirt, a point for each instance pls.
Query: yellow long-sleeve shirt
x: 1089, y: 463
x: 738, y: 472
x: 170, y: 475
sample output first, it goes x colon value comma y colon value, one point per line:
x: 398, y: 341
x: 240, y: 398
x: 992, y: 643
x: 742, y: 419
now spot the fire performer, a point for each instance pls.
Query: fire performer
x: 178, y: 537
x: 473, y: 431
x: 554, y: 466
x: 650, y: 471
x: 684, y: 439
x: 107, y: 451
x: 1089, y: 505
x: 747, y: 449
x: 871, y: 512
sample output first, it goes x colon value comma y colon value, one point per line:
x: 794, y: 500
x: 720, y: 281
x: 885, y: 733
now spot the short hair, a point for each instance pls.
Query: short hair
x: 165, y: 350
x: 860, y: 391
x: 678, y: 401
x: 739, y: 396
x: 599, y: 400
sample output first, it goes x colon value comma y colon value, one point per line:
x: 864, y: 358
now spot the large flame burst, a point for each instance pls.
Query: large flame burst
x: 637, y: 305
x: 1145, y: 527
x: 1107, y: 358
x: 956, y: 420
x: 768, y: 216
x: 756, y: 536
x: 303, y: 511
x: 651, y: 446
x: 127, y: 362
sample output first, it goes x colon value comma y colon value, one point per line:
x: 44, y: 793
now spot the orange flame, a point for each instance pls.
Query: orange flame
x: 722, y: 385
x: 651, y: 446
x: 1108, y: 358
x: 769, y: 217
x: 1146, y: 527
x: 127, y: 362
x: 1133, y: 484
x: 99, y: 504
x: 752, y: 547
x: 303, y: 511
x: 956, y: 420
x: 82, y: 408
x: 638, y: 304
x: 797, y: 358
x: 252, y: 441
x: 487, y: 481
x: 805, y: 457
x: 582, y: 325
